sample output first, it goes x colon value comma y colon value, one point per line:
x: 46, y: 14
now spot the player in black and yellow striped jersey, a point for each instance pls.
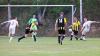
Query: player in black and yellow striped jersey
x: 60, y: 26
x: 75, y: 28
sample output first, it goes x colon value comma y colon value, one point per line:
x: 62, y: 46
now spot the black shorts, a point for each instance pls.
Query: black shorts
x: 61, y: 31
x: 75, y: 32
x: 27, y: 31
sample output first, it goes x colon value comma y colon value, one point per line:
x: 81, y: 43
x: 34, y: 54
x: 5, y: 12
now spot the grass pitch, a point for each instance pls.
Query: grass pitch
x: 48, y: 46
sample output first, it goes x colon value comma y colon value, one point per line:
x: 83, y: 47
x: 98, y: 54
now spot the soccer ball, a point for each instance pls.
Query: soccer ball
x: 70, y: 30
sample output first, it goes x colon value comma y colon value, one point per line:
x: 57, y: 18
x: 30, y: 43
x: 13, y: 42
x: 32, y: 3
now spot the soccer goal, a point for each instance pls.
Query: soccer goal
x: 25, y: 12
x: 21, y: 6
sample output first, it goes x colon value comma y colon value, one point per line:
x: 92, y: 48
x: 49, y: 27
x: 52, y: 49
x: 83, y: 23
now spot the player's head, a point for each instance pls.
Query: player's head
x: 15, y: 18
x: 85, y: 19
x: 75, y: 19
x: 34, y: 16
x: 61, y: 14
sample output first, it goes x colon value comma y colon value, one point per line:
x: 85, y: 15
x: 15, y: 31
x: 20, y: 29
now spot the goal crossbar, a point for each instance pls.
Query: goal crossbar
x: 72, y: 6
x: 34, y: 5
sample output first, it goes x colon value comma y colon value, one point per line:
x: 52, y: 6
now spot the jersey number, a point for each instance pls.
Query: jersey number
x: 60, y: 20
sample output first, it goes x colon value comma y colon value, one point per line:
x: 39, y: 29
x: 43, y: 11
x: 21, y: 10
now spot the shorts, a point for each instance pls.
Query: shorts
x: 34, y: 28
x: 27, y: 31
x: 85, y: 31
x: 61, y: 31
x: 75, y: 32
x: 12, y: 30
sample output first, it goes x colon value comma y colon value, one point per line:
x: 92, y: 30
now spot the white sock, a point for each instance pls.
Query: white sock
x: 10, y: 39
x: 83, y: 38
x: 33, y: 33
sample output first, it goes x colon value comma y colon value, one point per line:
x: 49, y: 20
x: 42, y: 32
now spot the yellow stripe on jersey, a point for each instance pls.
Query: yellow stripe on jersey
x: 75, y: 26
x: 33, y: 24
x: 65, y: 20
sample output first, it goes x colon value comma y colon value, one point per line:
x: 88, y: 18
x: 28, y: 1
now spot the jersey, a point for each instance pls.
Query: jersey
x: 33, y: 24
x: 87, y: 25
x: 61, y: 22
x: 13, y: 23
x: 75, y: 26
x: 31, y: 20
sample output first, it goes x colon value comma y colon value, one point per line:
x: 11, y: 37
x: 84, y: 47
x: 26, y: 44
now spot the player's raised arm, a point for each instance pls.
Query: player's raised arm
x: 4, y: 22
x: 97, y: 22
x: 94, y: 22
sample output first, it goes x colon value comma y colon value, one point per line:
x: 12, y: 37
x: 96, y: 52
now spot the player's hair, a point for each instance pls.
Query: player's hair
x: 61, y: 13
x: 76, y: 18
x: 13, y: 17
x: 85, y: 17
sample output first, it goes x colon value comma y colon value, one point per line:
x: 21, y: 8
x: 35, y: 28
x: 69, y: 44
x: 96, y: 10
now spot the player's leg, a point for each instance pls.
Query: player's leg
x: 9, y: 33
x: 84, y: 32
x: 59, y: 36
x: 63, y: 36
x: 34, y: 36
x: 27, y: 31
x: 19, y: 39
x: 72, y: 35
x: 76, y: 35
x: 34, y: 33
x: 12, y: 32
x: 83, y: 35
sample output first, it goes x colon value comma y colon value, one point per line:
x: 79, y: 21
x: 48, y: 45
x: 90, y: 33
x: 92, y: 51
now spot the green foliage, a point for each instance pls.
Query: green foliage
x: 3, y: 2
x: 21, y: 2
x: 91, y: 6
x: 88, y: 5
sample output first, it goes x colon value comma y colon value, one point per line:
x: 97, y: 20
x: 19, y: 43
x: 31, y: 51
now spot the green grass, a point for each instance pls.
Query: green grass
x: 49, y: 47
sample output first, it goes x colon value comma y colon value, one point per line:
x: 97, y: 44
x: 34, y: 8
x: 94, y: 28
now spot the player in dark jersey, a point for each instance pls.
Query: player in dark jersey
x: 27, y: 31
x: 75, y: 28
x: 60, y: 27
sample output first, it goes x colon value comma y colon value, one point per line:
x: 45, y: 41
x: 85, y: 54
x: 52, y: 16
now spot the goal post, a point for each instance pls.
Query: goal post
x: 72, y: 6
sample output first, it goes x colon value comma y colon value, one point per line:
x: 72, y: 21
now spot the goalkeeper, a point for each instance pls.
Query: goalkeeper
x: 31, y: 28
